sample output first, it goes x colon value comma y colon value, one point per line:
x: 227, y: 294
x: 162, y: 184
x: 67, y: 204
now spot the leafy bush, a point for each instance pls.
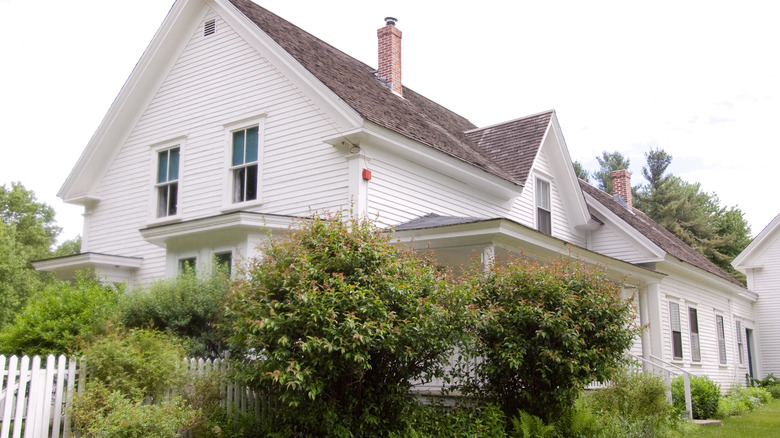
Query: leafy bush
x: 62, y: 318
x: 130, y: 379
x: 424, y: 421
x: 546, y: 330
x: 743, y: 400
x: 342, y: 321
x: 769, y: 380
x: 638, y: 399
x: 189, y: 306
x: 704, y: 396
x: 101, y: 413
x: 774, y: 390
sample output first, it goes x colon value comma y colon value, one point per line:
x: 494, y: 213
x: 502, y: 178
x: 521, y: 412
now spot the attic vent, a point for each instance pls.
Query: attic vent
x: 209, y: 27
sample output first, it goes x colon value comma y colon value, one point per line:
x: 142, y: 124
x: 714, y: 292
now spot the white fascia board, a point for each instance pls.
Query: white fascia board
x: 746, y: 259
x: 629, y: 232
x: 371, y: 134
x: 344, y: 117
x: 566, y: 179
x: 87, y: 260
x: 160, y: 235
x: 700, y: 277
x: 514, y: 236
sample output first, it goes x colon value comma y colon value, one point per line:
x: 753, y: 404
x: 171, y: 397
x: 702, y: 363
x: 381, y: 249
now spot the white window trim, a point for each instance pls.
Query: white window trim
x: 547, y: 180
x: 155, y: 149
x: 739, y: 342
x: 683, y: 320
x: 227, y: 193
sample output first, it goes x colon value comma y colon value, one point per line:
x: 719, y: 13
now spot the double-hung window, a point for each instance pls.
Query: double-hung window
x: 543, y: 209
x: 719, y: 327
x: 167, y: 182
x: 245, y: 164
x: 676, y: 326
x: 740, y: 343
x: 693, y: 323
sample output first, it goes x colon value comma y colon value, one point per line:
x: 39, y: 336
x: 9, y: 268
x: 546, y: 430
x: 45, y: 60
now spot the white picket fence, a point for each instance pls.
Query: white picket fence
x: 34, y: 399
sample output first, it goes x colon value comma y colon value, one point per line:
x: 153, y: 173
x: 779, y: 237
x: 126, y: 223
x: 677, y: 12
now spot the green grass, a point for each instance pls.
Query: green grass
x: 763, y: 422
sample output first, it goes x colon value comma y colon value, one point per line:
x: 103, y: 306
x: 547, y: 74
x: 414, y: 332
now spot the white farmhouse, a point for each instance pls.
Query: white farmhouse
x: 235, y: 122
x: 760, y: 262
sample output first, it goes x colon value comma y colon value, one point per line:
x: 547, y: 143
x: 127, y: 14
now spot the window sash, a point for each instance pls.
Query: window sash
x: 740, y: 343
x: 167, y: 182
x: 676, y: 326
x: 543, y: 214
x: 693, y: 322
x: 244, y: 164
x: 721, y: 338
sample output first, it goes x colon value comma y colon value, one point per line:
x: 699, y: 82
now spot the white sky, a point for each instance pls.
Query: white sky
x: 700, y: 79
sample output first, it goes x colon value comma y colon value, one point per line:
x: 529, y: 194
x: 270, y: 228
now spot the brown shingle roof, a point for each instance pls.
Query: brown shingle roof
x: 657, y: 234
x: 514, y: 144
x: 413, y: 116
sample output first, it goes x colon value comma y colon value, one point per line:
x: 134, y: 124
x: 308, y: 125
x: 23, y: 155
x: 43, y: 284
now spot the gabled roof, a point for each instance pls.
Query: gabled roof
x: 657, y: 234
x: 745, y: 259
x: 413, y: 116
x: 513, y: 144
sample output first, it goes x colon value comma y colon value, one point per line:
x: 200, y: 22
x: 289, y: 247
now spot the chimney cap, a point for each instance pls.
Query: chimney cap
x: 390, y: 21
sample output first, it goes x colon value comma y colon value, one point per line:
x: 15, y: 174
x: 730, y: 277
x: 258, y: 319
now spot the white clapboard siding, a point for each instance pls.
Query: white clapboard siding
x: 708, y: 303
x: 766, y: 282
x: 610, y: 242
x: 217, y: 80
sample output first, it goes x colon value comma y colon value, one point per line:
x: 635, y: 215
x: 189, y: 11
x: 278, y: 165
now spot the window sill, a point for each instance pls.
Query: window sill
x: 164, y: 221
x: 229, y: 208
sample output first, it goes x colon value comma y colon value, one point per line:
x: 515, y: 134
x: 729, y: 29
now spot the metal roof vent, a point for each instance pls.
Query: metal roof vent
x: 210, y: 27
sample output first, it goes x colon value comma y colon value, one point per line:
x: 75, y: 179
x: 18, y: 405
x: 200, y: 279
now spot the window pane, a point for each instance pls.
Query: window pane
x: 162, y: 167
x: 173, y: 166
x: 162, y: 201
x: 721, y: 338
x: 543, y: 194
x: 251, y: 183
x: 173, y: 199
x: 238, y: 148
x: 251, y: 145
x: 693, y: 322
x: 238, y: 184
x: 543, y: 219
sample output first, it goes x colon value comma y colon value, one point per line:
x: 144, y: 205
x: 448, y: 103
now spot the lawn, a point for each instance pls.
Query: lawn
x: 763, y: 422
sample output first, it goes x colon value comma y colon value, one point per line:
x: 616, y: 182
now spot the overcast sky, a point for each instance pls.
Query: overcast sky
x: 698, y: 79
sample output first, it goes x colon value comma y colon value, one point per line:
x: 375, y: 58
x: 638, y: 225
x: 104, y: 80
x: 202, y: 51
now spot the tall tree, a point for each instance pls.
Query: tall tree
x: 693, y: 215
x: 27, y: 232
x: 609, y: 161
x: 33, y: 221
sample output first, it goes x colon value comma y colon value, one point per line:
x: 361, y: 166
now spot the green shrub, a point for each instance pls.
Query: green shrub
x: 189, y: 306
x: 424, y: 421
x: 704, y: 396
x: 767, y: 381
x: 101, y: 413
x: 130, y: 378
x: 546, y: 330
x: 62, y: 318
x: 774, y: 390
x: 742, y: 400
x: 343, y: 321
x: 638, y: 399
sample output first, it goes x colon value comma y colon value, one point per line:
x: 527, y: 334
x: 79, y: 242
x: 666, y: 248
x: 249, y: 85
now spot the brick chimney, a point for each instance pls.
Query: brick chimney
x: 621, y: 187
x: 390, y: 55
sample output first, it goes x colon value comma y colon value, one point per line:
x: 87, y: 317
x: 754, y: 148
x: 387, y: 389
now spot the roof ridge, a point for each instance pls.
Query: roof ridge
x: 519, y: 119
